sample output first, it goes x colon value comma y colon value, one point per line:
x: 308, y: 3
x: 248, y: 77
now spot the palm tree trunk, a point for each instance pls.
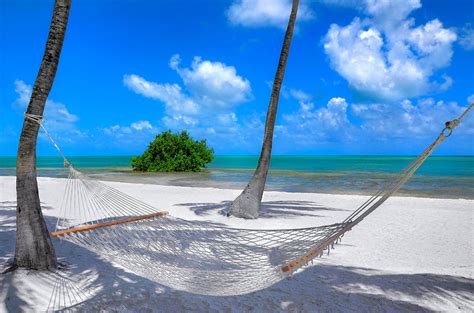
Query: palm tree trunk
x: 247, y: 204
x: 33, y: 243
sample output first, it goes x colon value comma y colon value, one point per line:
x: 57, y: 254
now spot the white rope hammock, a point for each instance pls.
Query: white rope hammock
x: 195, y: 256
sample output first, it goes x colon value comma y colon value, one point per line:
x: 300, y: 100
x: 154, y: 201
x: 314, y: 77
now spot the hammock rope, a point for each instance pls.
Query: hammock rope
x: 197, y: 256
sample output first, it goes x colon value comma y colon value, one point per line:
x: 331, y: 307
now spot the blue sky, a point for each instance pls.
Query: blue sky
x: 363, y: 76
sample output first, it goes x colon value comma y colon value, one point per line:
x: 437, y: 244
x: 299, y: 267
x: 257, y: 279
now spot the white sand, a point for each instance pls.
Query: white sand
x: 412, y: 254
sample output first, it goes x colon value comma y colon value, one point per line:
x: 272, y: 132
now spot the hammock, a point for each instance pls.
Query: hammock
x: 194, y: 256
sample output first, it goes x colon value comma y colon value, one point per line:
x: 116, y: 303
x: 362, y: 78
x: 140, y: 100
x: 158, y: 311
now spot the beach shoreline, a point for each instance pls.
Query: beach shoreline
x: 440, y: 176
x: 399, y: 258
x: 362, y: 184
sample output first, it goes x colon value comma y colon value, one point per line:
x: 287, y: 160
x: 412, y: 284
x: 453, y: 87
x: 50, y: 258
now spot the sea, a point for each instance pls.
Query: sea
x: 438, y: 177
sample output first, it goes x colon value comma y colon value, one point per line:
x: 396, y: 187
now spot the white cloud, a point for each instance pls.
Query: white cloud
x: 139, y: 128
x: 466, y: 37
x: 179, y: 121
x: 141, y: 125
x: 344, y: 3
x: 388, y: 12
x: 370, y: 124
x: 448, y: 81
x: 386, y: 58
x: 470, y: 99
x: 300, y: 95
x: 310, y: 124
x: 117, y: 130
x: 23, y: 91
x: 384, y: 12
x: 170, y: 94
x: 211, y: 89
x: 57, y: 118
x: 210, y: 130
x: 213, y: 84
x: 409, y: 120
x: 256, y: 13
x: 227, y: 118
x: 175, y: 61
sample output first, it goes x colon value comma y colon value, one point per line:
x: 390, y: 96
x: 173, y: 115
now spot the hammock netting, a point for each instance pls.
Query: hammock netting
x: 196, y: 256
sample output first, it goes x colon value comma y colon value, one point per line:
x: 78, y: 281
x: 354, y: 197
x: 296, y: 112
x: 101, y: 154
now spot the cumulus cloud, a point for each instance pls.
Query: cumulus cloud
x: 23, y: 91
x: 410, y: 120
x: 170, y: 94
x: 213, y: 84
x: 310, y: 124
x: 141, y: 125
x: 257, y: 13
x: 227, y: 118
x: 299, y: 95
x: 57, y: 117
x: 53, y: 111
x: 132, y: 132
x: 385, y: 12
x: 388, y: 12
x: 466, y: 37
x: 343, y: 3
x: 352, y: 124
x: 209, y: 89
x: 470, y: 99
x: 223, y: 131
x: 117, y: 130
x: 448, y: 81
x: 385, y: 57
x: 177, y: 121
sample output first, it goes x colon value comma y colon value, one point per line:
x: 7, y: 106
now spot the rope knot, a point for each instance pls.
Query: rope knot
x: 449, y: 126
x: 35, y: 118
x: 452, y: 124
x: 39, y: 119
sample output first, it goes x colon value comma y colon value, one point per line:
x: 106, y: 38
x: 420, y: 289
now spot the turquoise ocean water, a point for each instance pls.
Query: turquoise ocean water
x: 446, y: 177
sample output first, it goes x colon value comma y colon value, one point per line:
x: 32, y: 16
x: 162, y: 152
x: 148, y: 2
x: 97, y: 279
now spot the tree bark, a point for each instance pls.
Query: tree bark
x: 33, y: 244
x: 247, y: 204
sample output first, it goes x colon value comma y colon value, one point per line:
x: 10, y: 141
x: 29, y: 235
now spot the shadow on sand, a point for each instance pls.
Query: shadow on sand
x: 322, y: 288
x: 269, y: 209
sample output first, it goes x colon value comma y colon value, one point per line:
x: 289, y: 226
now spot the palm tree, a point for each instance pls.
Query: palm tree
x: 33, y: 243
x: 247, y: 204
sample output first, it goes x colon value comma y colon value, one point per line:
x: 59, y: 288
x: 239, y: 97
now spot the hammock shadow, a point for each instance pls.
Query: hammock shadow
x: 269, y: 209
x: 8, y: 226
x: 8, y: 221
x: 7, y: 234
x: 323, y: 287
x: 15, y: 292
x: 8, y: 214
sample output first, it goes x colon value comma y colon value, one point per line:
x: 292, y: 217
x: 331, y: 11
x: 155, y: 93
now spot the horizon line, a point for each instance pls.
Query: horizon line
x: 256, y: 155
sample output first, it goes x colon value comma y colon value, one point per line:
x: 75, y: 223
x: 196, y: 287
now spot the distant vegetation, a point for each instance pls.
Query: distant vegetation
x: 174, y: 152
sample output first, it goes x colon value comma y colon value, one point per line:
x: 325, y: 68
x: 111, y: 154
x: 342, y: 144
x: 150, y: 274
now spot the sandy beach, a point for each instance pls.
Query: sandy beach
x: 137, y: 141
x: 412, y: 254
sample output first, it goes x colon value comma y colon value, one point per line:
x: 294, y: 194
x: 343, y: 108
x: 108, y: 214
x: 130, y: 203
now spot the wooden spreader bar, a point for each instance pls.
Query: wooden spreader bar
x: 311, y: 254
x: 107, y: 224
x: 308, y: 256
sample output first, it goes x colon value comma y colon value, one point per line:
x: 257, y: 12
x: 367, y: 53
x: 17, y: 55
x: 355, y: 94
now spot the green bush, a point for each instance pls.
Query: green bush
x: 174, y: 152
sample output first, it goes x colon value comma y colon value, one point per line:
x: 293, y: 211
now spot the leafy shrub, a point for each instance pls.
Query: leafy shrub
x: 174, y: 152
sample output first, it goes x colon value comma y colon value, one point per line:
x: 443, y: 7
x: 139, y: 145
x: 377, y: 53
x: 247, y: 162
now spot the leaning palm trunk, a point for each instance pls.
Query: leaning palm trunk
x: 247, y: 204
x: 33, y: 244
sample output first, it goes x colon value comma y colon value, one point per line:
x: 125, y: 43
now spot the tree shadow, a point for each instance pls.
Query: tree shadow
x: 8, y: 217
x: 322, y: 287
x: 268, y: 209
x: 7, y: 233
